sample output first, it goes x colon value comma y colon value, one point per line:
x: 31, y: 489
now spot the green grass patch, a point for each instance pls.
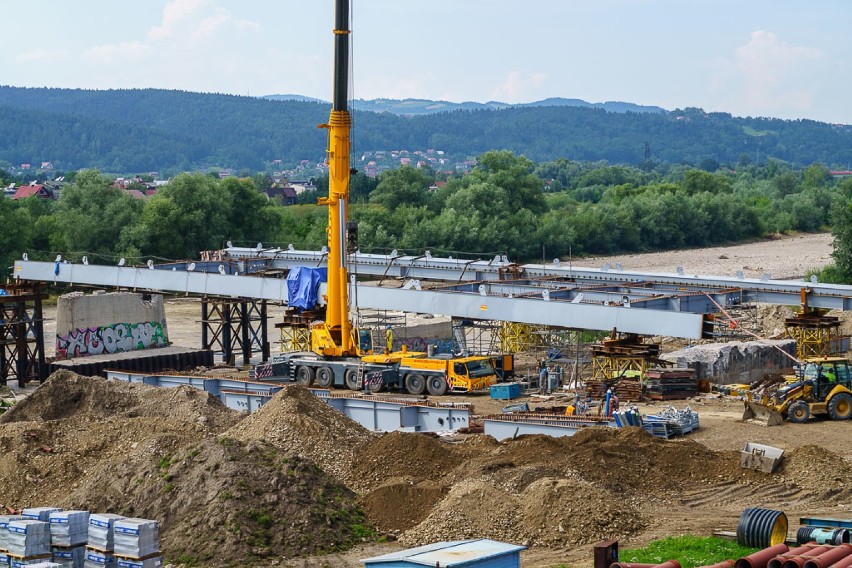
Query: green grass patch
x: 689, y: 550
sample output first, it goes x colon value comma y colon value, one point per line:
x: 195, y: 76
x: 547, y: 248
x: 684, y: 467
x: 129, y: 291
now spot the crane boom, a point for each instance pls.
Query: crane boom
x: 334, y: 337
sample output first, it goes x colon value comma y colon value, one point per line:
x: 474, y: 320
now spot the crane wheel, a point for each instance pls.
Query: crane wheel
x: 840, y: 406
x: 415, y: 384
x: 799, y: 412
x: 304, y: 376
x: 437, y: 386
x: 350, y: 377
x: 325, y: 377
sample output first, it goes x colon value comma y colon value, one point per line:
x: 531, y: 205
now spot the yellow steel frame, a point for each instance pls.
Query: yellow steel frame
x: 818, y: 341
x: 295, y: 339
x: 605, y: 367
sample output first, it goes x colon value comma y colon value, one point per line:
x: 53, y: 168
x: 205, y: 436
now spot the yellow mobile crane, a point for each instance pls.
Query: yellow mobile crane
x: 338, y: 357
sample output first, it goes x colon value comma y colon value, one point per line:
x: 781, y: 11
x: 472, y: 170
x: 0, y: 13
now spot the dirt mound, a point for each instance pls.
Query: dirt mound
x: 560, y: 512
x: 228, y: 503
x: 818, y: 469
x: 403, y: 454
x: 71, y: 427
x: 66, y: 395
x: 401, y: 504
x: 471, y: 509
x: 619, y: 459
x: 300, y: 423
x: 82, y: 442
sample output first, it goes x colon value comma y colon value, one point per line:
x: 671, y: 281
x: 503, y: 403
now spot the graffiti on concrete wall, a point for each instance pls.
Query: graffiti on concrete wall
x: 114, y: 338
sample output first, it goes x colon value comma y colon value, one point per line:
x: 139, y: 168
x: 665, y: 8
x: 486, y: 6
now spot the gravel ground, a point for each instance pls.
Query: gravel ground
x: 788, y: 257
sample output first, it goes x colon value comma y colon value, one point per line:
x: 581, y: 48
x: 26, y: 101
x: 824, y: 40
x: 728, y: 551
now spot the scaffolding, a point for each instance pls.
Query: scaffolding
x: 816, y: 334
x: 22, y: 333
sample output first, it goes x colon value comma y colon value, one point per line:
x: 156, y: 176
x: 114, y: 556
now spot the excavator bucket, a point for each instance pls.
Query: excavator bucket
x: 761, y: 414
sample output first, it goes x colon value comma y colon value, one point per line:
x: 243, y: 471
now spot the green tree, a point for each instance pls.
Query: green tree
x: 405, y: 186
x: 841, y: 229
x: 190, y: 214
x: 93, y: 217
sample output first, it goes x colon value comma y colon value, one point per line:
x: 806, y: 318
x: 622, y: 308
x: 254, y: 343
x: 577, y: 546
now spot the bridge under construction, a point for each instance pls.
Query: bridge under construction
x: 239, y: 282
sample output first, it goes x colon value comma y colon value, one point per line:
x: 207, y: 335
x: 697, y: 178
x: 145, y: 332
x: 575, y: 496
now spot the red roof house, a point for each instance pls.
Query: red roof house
x: 37, y: 190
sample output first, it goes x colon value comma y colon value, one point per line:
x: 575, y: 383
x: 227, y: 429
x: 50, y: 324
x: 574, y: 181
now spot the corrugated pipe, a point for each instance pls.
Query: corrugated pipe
x: 630, y: 565
x: 761, y: 528
x: 779, y: 560
x: 821, y: 535
x: 762, y: 557
x: 826, y: 559
x: 799, y: 561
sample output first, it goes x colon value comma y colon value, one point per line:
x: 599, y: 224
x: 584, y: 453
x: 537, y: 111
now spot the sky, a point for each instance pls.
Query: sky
x: 776, y: 58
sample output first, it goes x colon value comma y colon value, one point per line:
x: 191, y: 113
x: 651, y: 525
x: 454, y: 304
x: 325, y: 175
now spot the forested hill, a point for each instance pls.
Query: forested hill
x: 158, y: 130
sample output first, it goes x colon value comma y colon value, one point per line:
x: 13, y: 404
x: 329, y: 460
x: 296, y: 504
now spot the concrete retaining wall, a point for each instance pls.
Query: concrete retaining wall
x: 106, y: 323
x: 735, y: 362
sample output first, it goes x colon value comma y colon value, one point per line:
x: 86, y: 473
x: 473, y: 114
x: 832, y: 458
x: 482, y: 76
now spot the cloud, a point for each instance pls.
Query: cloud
x: 519, y: 87
x: 174, y: 14
x: 769, y: 77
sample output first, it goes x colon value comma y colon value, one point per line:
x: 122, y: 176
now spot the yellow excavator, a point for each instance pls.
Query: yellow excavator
x: 342, y: 355
x: 821, y: 386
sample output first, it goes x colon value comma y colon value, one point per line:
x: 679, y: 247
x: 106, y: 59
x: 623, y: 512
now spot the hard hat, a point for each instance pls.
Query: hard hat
x: 387, y: 327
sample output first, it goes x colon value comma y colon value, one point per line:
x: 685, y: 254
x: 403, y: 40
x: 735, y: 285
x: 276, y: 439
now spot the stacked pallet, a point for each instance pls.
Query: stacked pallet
x: 69, y: 531
x: 670, y: 384
x: 627, y: 388
x: 137, y: 543
x: 100, y: 548
x: 28, y: 542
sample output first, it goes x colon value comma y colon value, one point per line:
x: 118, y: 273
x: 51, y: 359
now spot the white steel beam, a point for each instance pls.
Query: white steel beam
x: 451, y: 303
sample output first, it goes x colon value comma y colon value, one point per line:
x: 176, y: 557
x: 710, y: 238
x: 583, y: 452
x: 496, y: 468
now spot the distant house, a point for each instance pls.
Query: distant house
x: 26, y: 166
x: 135, y: 193
x: 287, y: 194
x: 37, y: 190
x: 46, y: 166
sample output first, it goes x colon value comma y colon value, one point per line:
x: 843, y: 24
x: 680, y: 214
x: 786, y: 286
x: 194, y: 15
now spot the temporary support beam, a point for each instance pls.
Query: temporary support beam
x: 22, y: 333
x: 234, y: 327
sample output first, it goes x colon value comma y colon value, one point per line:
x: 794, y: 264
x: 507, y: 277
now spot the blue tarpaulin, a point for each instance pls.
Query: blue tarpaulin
x: 303, y: 284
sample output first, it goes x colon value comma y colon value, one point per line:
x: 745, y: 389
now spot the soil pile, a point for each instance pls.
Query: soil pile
x: 401, y: 504
x: 133, y: 449
x: 819, y: 470
x: 72, y: 427
x: 227, y: 503
x: 298, y: 422
x: 66, y: 395
x: 400, y: 454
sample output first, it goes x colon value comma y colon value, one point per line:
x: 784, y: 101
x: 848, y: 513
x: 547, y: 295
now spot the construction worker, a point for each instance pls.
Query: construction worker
x: 388, y: 339
x: 829, y: 375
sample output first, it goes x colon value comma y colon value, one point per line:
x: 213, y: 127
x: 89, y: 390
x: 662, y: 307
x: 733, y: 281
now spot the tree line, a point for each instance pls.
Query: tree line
x: 144, y: 130
x: 507, y: 204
